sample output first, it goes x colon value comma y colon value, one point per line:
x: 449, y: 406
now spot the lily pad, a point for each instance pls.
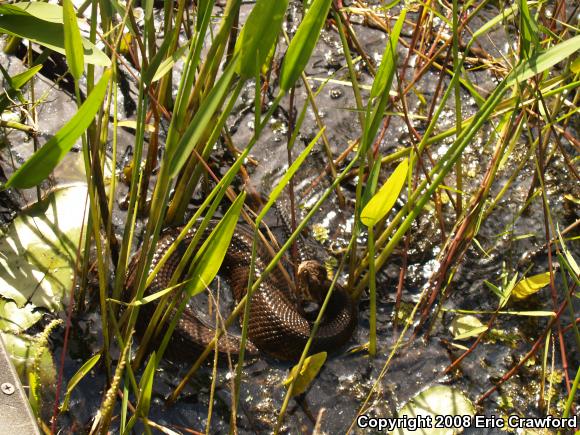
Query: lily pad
x: 14, y: 319
x: 29, y: 355
x: 439, y: 400
x: 39, y: 250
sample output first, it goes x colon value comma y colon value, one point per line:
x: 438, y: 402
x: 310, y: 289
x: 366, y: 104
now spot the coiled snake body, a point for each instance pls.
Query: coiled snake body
x: 277, y: 324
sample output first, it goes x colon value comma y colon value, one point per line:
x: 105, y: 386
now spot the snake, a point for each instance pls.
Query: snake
x: 278, y: 325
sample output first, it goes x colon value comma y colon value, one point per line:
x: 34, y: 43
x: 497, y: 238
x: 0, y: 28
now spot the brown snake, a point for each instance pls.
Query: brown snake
x: 277, y: 324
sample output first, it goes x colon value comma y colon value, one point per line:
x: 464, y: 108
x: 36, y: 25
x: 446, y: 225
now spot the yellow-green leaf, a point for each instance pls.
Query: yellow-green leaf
x: 73, y: 45
x: 528, y: 286
x: 463, y: 327
x: 16, y: 319
x: 382, y: 202
x: 575, y: 66
x: 38, y: 256
x: 310, y: 369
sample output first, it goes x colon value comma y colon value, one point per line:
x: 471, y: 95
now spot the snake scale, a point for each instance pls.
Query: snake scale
x: 277, y: 324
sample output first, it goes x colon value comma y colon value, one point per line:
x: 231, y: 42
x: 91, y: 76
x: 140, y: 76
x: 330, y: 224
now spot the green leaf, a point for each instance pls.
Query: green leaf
x: 289, y: 174
x: 42, y: 23
x: 21, y: 79
x: 436, y: 400
x: 149, y: 298
x: 148, y: 9
x: 372, y: 181
x: 203, y: 7
x: 386, y: 71
x: 303, y: 43
x: 493, y: 22
x: 43, y: 161
x: 206, y: 262
x: 165, y: 66
x: 200, y: 121
x: 568, y: 255
x: 528, y: 286
x: 43, y: 11
x: 73, y: 44
x: 210, y: 256
x: 16, y: 83
x: 541, y: 61
x: 464, y: 327
x: 146, y: 387
x: 81, y: 373
x: 310, y: 369
x: 380, y: 204
x: 382, y: 85
x: 259, y: 34
x: 529, y: 39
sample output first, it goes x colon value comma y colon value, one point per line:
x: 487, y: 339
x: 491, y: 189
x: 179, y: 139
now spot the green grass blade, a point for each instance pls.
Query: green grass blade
x: 43, y: 161
x: 541, y: 61
x: 200, y: 121
x: 146, y: 387
x: 386, y: 71
x: 73, y: 44
x: 165, y: 66
x: 21, y: 79
x: 207, y: 263
x: 529, y: 40
x: 145, y: 390
x: 288, y: 175
x: 81, y: 373
x: 303, y: 43
x: 371, y: 184
x: 382, y: 85
x: 258, y: 35
x: 213, y: 251
x: 15, y: 84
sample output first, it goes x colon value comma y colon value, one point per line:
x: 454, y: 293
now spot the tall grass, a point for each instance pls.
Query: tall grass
x: 537, y: 77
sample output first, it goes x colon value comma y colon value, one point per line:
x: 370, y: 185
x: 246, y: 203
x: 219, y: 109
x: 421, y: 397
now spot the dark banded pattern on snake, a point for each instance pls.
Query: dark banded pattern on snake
x: 277, y: 325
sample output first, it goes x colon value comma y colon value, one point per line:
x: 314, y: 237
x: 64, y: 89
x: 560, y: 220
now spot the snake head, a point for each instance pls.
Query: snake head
x: 312, y: 281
